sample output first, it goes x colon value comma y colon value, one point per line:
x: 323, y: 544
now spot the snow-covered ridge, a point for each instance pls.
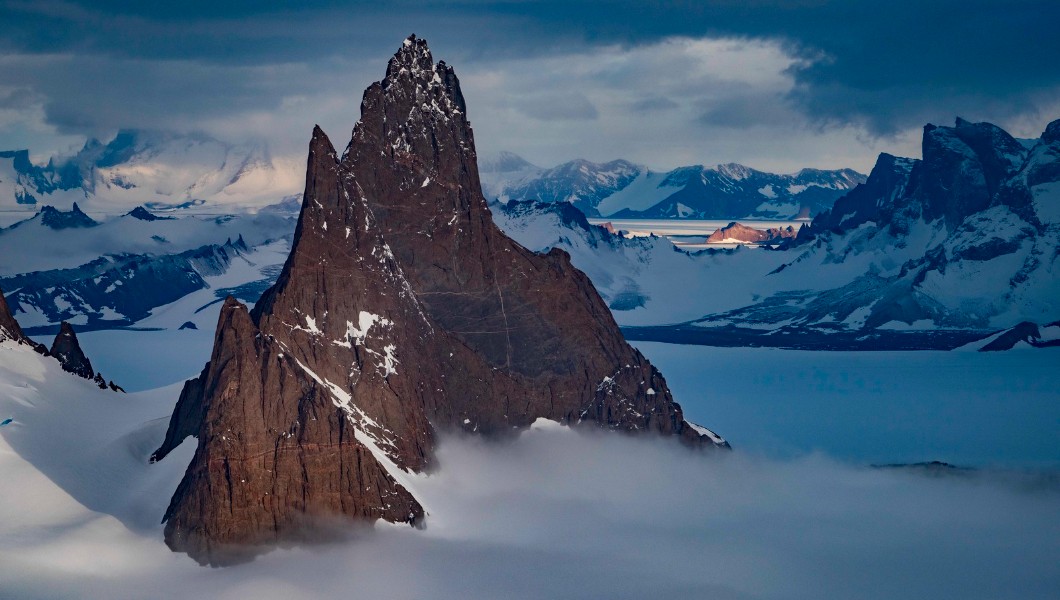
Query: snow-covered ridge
x: 128, y: 270
x: 899, y: 262
x: 625, y: 190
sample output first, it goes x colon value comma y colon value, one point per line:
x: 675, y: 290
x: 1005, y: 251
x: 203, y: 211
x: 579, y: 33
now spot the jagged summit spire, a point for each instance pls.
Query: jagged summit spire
x: 401, y: 308
x: 320, y: 147
x: 413, y: 55
x: 413, y: 64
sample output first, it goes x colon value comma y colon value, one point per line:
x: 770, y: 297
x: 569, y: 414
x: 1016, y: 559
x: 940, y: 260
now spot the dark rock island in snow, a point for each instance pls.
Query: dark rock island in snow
x: 67, y: 351
x: 402, y: 310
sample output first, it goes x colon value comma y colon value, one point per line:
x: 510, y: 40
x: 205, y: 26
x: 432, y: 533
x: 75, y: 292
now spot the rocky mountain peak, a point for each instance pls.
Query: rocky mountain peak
x: 1052, y: 132
x: 963, y: 167
x: 413, y: 68
x: 413, y: 57
x: 57, y: 219
x: 734, y: 171
x: 401, y: 309
x: 67, y: 351
x: 143, y: 214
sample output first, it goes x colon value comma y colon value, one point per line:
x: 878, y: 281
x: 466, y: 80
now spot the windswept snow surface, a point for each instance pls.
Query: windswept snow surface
x: 601, y: 514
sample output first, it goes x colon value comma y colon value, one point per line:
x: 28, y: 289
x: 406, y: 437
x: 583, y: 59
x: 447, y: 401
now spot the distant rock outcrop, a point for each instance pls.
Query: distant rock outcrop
x: 738, y: 232
x: 402, y: 310
x: 57, y: 219
x: 67, y: 351
x: 1026, y: 333
x: 144, y: 215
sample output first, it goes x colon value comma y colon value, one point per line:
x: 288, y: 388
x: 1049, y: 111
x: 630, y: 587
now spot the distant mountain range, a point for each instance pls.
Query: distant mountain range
x: 166, y: 171
x: 964, y: 240
x: 621, y: 189
x: 938, y: 252
x: 156, y: 169
x: 116, y: 272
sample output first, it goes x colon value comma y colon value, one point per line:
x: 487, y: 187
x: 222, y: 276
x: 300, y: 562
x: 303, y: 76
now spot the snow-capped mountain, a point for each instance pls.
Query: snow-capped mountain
x: 55, y: 239
x: 622, y: 189
x: 968, y: 237
x: 933, y: 252
x: 645, y: 280
x: 156, y: 169
x: 64, y: 266
x: 116, y: 290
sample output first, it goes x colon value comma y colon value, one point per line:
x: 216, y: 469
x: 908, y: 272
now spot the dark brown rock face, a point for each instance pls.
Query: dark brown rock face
x: 68, y: 352
x: 533, y: 317
x: 9, y: 327
x: 401, y: 309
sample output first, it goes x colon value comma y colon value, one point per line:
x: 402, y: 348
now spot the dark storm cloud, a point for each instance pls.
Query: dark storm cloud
x: 886, y: 65
x: 883, y: 68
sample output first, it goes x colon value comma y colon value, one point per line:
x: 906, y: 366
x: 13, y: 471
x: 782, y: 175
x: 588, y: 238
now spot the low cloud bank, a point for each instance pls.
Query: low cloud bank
x: 558, y: 514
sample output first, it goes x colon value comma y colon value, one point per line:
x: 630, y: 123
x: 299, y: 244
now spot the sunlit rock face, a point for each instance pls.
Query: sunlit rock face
x: 402, y: 309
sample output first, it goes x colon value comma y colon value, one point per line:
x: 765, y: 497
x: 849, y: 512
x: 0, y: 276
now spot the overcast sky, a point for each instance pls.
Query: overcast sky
x: 774, y: 84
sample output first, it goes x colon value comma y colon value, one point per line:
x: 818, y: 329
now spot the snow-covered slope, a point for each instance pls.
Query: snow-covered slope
x: 125, y: 270
x: 74, y: 463
x: 966, y: 238
x: 625, y: 190
x: 154, y: 169
x: 932, y: 253
x: 35, y: 244
x: 645, y: 280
